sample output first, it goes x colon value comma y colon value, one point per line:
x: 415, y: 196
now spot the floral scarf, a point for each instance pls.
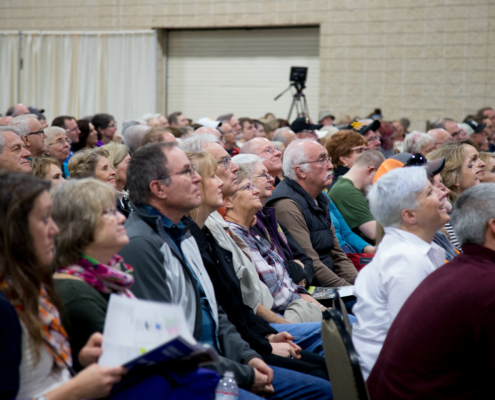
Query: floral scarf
x: 52, y: 330
x: 116, y: 277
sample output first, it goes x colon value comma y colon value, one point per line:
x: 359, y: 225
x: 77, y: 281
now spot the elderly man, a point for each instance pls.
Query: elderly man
x: 271, y: 156
x: 233, y: 122
x: 440, y: 136
x: 284, y: 135
x: 13, y: 154
x: 443, y: 344
x: 4, y: 121
x: 177, y: 119
x: 349, y: 194
x: 168, y: 267
x: 31, y: 133
x: 15, y: 110
x: 302, y: 208
x: 133, y: 136
x: 453, y: 128
x: 210, y: 131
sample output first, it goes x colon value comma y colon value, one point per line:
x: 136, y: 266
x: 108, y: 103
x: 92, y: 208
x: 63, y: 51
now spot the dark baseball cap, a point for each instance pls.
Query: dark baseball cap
x: 363, y: 129
x: 304, y: 123
x: 477, y: 128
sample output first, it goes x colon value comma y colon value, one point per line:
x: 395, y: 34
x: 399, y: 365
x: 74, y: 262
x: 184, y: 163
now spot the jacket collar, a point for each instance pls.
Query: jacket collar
x: 321, y: 198
x: 478, y: 250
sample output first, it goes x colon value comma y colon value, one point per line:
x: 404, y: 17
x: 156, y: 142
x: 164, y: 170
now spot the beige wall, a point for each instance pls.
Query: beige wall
x: 417, y: 58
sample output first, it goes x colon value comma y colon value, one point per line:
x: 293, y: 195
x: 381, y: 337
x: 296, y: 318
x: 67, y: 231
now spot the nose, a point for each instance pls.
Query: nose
x: 54, y: 230
x: 120, y: 218
x: 233, y: 167
x: 25, y: 153
x: 256, y: 191
x: 196, y: 177
x: 330, y: 165
x: 112, y: 172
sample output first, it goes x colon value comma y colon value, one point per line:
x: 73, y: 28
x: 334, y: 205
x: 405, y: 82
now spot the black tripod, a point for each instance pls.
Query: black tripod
x: 299, y: 100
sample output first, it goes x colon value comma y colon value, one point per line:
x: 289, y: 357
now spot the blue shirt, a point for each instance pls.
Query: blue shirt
x: 176, y: 232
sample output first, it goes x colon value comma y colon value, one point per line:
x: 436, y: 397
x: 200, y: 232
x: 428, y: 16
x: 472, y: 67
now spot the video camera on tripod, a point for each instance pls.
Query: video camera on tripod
x: 297, y: 80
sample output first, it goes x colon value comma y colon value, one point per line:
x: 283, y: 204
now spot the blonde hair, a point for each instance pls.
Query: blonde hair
x: 41, y: 166
x: 116, y: 153
x: 485, y: 156
x: 77, y: 209
x: 83, y: 163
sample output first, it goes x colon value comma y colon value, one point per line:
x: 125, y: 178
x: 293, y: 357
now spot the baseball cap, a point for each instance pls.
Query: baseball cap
x: 34, y: 110
x: 323, y: 114
x: 304, y: 123
x: 403, y: 160
x: 363, y: 129
x: 477, y: 128
x: 326, y: 131
x: 209, y: 123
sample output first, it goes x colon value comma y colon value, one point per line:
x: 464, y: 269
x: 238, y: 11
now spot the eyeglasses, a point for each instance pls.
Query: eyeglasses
x: 320, y: 161
x: 61, y: 142
x: 226, y: 162
x: 112, y: 125
x: 36, y: 133
x: 361, y: 150
x: 373, y: 138
x: 264, y: 175
x: 250, y: 186
x: 73, y: 129
x: 454, y: 134
x: 189, y: 171
x: 110, y: 211
x: 416, y: 159
x: 270, y: 150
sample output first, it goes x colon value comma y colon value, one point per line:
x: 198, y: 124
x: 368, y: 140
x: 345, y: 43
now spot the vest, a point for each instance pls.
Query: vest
x: 317, y: 217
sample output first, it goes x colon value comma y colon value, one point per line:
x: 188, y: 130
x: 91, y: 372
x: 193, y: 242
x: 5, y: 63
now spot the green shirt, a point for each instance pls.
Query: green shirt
x: 351, y: 203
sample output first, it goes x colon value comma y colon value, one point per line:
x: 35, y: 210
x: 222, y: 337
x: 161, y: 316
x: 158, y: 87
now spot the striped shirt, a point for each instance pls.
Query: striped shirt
x: 452, y: 236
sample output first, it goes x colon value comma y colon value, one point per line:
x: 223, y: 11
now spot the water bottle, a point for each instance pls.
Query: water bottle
x: 227, y: 388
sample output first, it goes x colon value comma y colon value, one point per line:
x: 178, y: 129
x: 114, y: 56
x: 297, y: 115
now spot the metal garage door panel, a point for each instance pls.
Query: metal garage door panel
x: 240, y: 71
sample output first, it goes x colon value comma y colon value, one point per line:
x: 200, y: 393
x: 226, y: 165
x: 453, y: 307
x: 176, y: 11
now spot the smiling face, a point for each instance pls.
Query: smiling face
x: 121, y: 171
x: 443, y: 193
x: 103, y: 171
x: 110, y: 232
x: 472, y: 170
x: 431, y: 214
x: 272, y: 157
x: 263, y: 181
x: 42, y: 228
x: 14, y: 156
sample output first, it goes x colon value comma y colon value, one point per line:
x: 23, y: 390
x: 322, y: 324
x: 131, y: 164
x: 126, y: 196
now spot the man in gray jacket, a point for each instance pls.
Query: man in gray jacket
x: 168, y: 267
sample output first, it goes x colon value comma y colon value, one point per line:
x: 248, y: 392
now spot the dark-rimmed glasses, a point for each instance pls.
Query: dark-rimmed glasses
x: 321, y: 161
x: 36, y: 133
x: 361, y: 150
x: 189, y: 171
x: 225, y: 161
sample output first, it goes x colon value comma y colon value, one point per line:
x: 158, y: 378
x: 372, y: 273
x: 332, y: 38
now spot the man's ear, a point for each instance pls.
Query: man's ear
x: 26, y: 141
x: 371, y: 170
x: 409, y: 217
x: 158, y: 189
x: 490, y: 231
x: 299, y: 172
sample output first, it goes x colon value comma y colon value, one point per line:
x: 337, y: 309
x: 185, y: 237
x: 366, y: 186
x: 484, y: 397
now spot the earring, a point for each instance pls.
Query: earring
x: 346, y: 165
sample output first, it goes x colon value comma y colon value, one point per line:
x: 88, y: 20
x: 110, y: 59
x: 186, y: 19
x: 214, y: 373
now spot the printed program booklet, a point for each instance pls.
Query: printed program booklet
x: 322, y: 293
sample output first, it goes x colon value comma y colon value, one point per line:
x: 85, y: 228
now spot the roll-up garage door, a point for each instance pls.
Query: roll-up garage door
x: 214, y: 72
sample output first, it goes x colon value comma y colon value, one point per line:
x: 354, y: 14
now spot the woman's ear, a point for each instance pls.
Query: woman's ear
x: 409, y: 217
x: 227, y: 203
x: 343, y: 160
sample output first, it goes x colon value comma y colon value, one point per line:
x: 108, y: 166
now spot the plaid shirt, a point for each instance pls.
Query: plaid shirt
x: 271, y: 269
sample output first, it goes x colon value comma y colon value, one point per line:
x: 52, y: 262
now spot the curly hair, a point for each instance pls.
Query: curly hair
x: 341, y: 144
x: 41, y: 166
x: 83, y: 163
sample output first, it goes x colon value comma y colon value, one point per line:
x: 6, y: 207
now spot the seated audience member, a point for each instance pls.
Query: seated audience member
x: 88, y: 137
x: 260, y: 128
x: 210, y: 131
x: 298, y: 264
x: 4, y: 121
x: 272, y: 156
x: 241, y: 208
x: 451, y: 127
x: 31, y: 133
x: 325, y: 118
x: 106, y: 127
x: 177, y: 119
x: 58, y: 147
x: 274, y: 347
x: 489, y: 131
x: 119, y: 158
x: 419, y: 142
x: 48, y: 169
x: 284, y: 135
x: 411, y: 210
x: 349, y: 194
x: 302, y: 208
x: 133, y: 136
x: 463, y: 169
x: 443, y: 342
x: 70, y: 125
x: 233, y: 122
x: 92, y: 163
x: 17, y: 109
x: 440, y: 136
x: 228, y: 138
x: 158, y: 134
x: 168, y: 267
x: 489, y: 160
x: 34, y: 346
x: 477, y: 133
x: 344, y: 148
x: 399, y: 139
x: 87, y: 267
x: 369, y: 129
x: 304, y: 128
x: 248, y: 131
x: 14, y: 156
x: 388, y: 133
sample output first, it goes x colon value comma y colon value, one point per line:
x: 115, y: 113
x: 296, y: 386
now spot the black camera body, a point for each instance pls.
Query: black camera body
x: 298, y: 74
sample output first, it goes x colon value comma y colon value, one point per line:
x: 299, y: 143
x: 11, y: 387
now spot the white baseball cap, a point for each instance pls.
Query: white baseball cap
x: 209, y: 123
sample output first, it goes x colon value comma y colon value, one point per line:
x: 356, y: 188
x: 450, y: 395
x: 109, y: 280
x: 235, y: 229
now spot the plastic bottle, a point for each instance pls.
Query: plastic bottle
x: 227, y: 387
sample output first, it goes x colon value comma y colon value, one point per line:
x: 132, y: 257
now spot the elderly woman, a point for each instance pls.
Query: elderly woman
x: 88, y: 136
x: 241, y: 208
x: 47, y: 169
x: 88, y: 269
x: 489, y: 160
x: 343, y: 148
x: 58, y: 147
x: 35, y: 351
x: 119, y: 158
x: 411, y: 211
x: 92, y: 163
x: 463, y: 169
x: 418, y: 142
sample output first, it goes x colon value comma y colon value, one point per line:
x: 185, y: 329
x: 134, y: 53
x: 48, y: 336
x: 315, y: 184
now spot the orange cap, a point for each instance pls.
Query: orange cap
x: 387, y: 165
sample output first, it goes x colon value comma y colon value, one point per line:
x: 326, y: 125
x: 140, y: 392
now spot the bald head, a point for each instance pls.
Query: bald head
x: 4, y: 121
x: 18, y: 109
x: 440, y: 136
x: 205, y: 129
x: 253, y: 146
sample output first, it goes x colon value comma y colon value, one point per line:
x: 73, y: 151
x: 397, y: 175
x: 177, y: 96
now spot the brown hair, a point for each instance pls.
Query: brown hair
x: 83, y: 163
x: 19, y: 265
x: 341, y: 144
x: 41, y: 166
x: 155, y: 135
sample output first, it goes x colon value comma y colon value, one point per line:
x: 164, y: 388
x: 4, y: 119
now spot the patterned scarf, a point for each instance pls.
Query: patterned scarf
x: 52, y: 330
x: 116, y: 277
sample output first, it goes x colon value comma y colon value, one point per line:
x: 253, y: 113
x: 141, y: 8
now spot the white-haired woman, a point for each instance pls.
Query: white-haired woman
x: 58, y: 147
x: 411, y: 210
x: 418, y: 142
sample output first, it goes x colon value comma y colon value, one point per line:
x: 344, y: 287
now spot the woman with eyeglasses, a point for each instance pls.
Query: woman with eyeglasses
x: 344, y: 148
x: 88, y: 269
x: 58, y: 147
x: 92, y: 163
x: 35, y: 353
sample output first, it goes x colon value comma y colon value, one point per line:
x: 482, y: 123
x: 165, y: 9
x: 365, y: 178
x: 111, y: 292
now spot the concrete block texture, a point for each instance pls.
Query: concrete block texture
x: 414, y: 58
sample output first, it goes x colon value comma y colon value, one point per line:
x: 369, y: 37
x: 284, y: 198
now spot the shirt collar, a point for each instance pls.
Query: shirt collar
x: 412, y: 239
x: 167, y: 223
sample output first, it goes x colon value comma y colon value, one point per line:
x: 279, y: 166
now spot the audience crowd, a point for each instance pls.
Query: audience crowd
x: 236, y: 220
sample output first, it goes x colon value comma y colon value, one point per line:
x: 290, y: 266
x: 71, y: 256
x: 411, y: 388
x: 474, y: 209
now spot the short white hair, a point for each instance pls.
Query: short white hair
x: 415, y: 140
x: 133, y: 135
x: 295, y: 154
x: 21, y: 123
x: 51, y: 131
x: 197, y: 142
x: 248, y: 161
x: 278, y: 135
x: 394, y: 192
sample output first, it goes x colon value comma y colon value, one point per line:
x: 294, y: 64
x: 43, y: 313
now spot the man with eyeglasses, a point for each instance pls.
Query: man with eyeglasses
x: 453, y: 128
x: 70, y: 125
x: 302, y: 208
x: 271, y: 156
x: 368, y: 128
x: 14, y: 157
x: 31, y: 133
x: 305, y: 129
x: 440, y: 136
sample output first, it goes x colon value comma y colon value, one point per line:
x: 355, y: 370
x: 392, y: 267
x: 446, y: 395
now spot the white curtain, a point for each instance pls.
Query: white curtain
x: 9, y: 68
x: 82, y: 73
